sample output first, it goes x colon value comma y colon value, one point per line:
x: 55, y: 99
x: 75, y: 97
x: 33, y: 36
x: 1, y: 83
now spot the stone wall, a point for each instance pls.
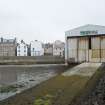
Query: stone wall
x: 31, y: 60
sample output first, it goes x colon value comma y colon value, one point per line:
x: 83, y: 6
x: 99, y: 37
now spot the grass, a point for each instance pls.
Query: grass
x: 63, y: 89
x: 44, y: 101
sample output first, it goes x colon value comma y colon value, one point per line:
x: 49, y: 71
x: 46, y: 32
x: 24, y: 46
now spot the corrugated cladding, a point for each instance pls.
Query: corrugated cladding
x: 72, y: 50
x: 87, y: 30
x: 83, y: 49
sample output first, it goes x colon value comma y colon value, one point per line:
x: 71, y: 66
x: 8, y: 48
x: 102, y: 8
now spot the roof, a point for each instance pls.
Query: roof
x: 48, y: 45
x: 22, y: 43
x: 7, y: 41
x: 85, y: 30
x: 58, y: 44
x: 35, y: 41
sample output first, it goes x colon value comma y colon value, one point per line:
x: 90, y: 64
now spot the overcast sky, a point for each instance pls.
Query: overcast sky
x: 47, y: 20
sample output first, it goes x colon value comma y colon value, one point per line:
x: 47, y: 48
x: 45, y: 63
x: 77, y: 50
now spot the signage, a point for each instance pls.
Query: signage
x: 88, y: 32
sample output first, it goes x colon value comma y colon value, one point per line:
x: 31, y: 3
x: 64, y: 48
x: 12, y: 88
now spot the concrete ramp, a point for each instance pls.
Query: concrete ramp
x: 84, y: 69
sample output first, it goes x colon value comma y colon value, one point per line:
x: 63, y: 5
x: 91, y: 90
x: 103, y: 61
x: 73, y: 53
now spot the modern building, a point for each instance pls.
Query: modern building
x: 48, y: 49
x: 58, y: 48
x: 22, y: 49
x: 8, y: 47
x: 85, y: 44
x: 36, y: 48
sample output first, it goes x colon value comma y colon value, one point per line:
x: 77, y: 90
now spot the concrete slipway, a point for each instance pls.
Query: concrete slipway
x: 84, y: 69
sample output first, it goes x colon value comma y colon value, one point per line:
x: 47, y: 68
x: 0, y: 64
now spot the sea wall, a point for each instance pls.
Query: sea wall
x: 31, y: 60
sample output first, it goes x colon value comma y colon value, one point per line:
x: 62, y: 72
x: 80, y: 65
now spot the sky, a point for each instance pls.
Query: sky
x: 47, y: 20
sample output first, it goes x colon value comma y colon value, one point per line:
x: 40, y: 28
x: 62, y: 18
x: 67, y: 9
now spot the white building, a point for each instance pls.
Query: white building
x: 58, y: 48
x: 36, y: 48
x: 85, y: 44
x: 22, y: 49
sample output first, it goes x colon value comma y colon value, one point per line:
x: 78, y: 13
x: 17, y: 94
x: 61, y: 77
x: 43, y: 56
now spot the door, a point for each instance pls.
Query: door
x: 82, y: 49
x: 72, y: 50
x: 94, y: 52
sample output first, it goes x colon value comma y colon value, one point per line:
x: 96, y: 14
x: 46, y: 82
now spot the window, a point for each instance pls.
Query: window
x: 89, y: 42
x: 33, y: 49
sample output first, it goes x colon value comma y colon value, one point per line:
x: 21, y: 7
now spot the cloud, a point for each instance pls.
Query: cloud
x: 47, y: 20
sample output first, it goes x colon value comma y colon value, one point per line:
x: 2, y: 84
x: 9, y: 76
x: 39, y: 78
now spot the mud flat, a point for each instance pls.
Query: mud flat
x: 59, y: 90
x: 16, y: 78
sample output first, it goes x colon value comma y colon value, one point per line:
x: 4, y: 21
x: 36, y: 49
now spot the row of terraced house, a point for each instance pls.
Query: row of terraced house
x: 10, y: 47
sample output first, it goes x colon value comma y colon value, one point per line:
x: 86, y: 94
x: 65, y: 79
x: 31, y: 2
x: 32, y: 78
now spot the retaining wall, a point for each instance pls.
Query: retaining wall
x: 31, y: 60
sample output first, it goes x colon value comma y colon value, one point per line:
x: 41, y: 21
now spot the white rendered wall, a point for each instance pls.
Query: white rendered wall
x: 36, y: 48
x: 22, y: 50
